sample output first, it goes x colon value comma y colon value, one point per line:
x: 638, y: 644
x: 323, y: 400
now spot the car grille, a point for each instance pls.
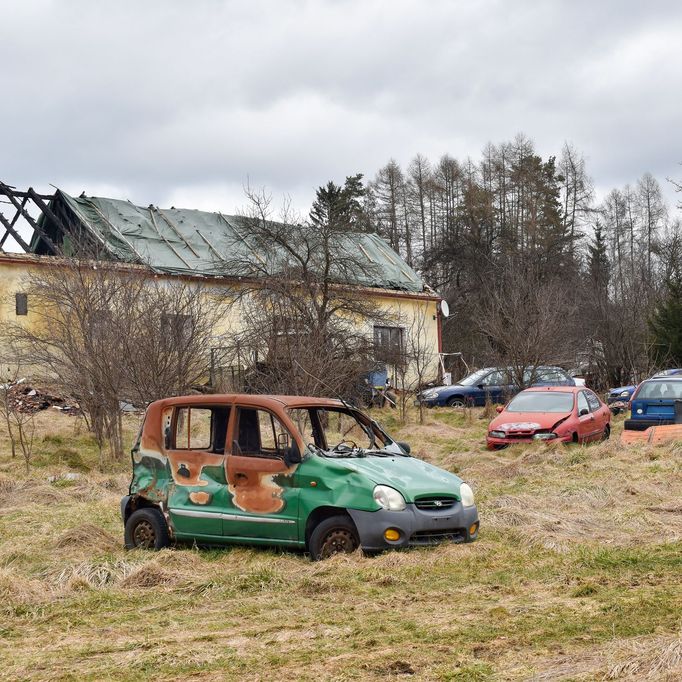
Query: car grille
x: 435, y: 503
x: 433, y: 537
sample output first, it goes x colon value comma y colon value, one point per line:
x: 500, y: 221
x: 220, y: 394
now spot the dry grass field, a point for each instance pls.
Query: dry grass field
x: 577, y: 575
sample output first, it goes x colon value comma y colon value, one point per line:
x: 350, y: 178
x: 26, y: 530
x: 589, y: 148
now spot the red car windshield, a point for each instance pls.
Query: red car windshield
x: 541, y: 401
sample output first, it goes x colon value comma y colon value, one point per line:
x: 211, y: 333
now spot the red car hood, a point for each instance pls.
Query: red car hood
x: 526, y: 421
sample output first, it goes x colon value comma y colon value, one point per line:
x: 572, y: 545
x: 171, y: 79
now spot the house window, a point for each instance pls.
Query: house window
x: 21, y: 304
x: 388, y: 344
x: 176, y: 326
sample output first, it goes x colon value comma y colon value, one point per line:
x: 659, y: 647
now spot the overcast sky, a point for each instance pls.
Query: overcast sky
x: 178, y: 103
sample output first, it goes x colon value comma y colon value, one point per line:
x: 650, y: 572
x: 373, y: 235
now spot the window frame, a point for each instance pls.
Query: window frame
x: 389, y: 353
x: 212, y: 426
x: 20, y: 304
x: 278, y: 454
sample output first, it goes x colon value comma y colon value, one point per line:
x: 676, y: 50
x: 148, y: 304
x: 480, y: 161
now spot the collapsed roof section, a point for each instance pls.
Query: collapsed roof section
x: 185, y: 241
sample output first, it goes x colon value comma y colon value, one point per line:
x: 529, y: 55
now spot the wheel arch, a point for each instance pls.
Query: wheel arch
x: 319, y: 514
x: 131, y: 503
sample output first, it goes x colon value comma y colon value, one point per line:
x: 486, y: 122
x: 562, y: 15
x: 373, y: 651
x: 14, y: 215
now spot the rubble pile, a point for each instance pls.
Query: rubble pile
x: 28, y: 400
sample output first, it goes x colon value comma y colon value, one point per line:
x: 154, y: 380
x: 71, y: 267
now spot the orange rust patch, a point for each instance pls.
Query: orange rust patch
x: 250, y: 482
x: 200, y: 497
x: 186, y: 466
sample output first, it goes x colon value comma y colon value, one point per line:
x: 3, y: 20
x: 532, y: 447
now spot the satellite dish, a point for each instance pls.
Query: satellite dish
x: 444, y: 308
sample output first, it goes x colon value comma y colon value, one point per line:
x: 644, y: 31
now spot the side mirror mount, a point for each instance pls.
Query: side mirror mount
x: 499, y: 409
x: 292, y: 454
x: 404, y: 446
x: 479, y: 386
x: 583, y: 412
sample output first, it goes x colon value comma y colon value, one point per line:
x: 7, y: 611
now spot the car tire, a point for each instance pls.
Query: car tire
x: 456, y: 402
x: 334, y: 535
x: 607, y: 433
x: 146, y: 528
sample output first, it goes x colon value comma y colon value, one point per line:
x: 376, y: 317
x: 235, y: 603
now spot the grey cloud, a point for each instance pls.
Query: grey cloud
x: 166, y: 100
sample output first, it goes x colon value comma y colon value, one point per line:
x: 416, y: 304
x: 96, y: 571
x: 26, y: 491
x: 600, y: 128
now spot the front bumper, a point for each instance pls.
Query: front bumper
x: 426, y: 402
x: 417, y: 528
x: 494, y: 443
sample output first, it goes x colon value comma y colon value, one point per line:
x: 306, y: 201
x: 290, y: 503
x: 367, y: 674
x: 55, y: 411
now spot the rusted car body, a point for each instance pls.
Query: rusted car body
x: 309, y: 473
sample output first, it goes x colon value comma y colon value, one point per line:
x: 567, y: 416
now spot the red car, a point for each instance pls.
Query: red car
x: 561, y: 414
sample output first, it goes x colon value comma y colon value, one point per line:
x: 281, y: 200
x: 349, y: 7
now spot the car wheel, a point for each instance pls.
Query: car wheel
x: 335, y: 535
x: 607, y: 433
x: 456, y: 402
x: 146, y: 528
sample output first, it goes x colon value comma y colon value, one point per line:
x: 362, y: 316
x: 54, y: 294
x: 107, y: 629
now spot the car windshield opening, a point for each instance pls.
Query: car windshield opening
x: 328, y: 428
x: 540, y: 401
x: 474, y: 378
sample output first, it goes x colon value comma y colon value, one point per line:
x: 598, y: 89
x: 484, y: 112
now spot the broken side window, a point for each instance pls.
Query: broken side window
x: 260, y: 433
x: 201, y: 428
x: 21, y: 304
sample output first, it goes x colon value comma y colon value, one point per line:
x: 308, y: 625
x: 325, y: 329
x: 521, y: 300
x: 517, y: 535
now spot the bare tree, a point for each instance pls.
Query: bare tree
x: 105, y: 333
x: 527, y: 322
x: 299, y: 301
x: 20, y: 424
x: 416, y: 364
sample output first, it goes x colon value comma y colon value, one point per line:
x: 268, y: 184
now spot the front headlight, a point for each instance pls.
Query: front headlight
x: 466, y: 495
x: 389, y: 498
x: 497, y: 434
x: 624, y: 394
x: 544, y: 436
x: 430, y: 394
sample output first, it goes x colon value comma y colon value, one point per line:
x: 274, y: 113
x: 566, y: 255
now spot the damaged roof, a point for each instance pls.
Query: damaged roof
x: 186, y: 241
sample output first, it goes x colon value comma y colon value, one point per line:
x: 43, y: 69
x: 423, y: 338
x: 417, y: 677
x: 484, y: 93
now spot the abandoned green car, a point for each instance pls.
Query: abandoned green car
x: 308, y: 473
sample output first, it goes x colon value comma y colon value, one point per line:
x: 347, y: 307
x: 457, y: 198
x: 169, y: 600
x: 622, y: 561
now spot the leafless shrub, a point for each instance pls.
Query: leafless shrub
x: 106, y: 334
x: 20, y: 425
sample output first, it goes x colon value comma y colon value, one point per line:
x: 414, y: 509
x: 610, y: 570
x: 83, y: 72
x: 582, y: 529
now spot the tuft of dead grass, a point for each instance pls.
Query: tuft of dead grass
x: 88, y: 536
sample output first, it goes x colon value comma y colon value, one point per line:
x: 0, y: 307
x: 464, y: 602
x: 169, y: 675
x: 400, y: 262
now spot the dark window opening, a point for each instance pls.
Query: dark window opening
x: 201, y: 428
x: 260, y: 433
x: 21, y: 304
x: 177, y: 326
x: 388, y: 344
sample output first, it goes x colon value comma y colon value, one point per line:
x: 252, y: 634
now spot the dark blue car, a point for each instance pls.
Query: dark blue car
x: 656, y: 401
x: 492, y: 384
x: 620, y: 394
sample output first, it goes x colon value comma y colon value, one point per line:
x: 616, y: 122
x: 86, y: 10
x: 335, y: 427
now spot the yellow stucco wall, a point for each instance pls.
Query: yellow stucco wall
x: 405, y: 309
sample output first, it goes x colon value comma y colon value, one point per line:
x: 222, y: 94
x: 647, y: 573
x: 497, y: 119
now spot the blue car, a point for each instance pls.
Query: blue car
x: 624, y: 393
x: 620, y: 394
x: 489, y: 384
x: 656, y: 401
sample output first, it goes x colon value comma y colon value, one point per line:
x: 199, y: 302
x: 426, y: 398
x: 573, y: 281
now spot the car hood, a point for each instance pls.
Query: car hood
x: 620, y: 389
x: 410, y: 476
x: 527, y: 421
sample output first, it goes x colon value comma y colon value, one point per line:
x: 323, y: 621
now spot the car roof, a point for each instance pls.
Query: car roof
x: 556, y: 389
x: 252, y: 399
x: 663, y: 377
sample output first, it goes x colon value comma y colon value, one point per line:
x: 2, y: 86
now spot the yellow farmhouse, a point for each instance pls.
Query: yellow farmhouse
x: 197, y: 246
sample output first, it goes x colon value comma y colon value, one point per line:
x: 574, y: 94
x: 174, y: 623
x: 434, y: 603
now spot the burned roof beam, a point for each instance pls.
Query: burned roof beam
x: 11, y: 194
x: 17, y: 237
x: 13, y: 222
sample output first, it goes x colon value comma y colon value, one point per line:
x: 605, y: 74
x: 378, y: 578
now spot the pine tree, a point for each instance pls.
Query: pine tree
x: 598, y: 261
x: 666, y: 326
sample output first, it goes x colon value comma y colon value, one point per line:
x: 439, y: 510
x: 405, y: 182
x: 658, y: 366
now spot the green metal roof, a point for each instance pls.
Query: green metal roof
x: 186, y: 241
